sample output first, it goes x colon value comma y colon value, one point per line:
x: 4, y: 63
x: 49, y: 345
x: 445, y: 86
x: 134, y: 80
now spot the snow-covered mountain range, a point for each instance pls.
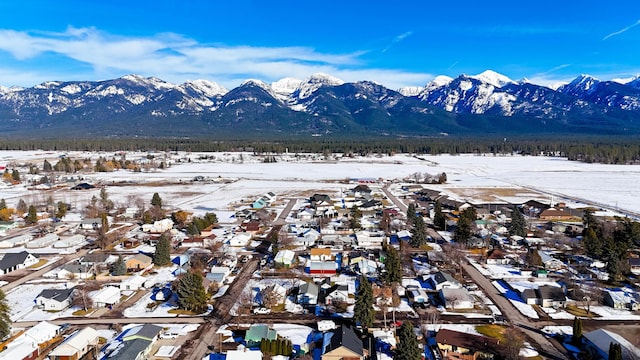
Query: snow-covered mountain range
x: 321, y: 104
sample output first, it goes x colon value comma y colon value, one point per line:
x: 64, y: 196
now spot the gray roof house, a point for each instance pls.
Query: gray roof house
x: 14, y: 261
x: 54, y: 299
x: 308, y: 294
x: 344, y: 343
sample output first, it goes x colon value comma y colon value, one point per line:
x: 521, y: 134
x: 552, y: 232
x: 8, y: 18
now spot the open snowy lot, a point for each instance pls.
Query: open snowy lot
x: 470, y: 177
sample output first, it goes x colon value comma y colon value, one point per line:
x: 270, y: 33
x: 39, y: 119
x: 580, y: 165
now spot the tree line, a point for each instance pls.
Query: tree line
x: 604, y: 149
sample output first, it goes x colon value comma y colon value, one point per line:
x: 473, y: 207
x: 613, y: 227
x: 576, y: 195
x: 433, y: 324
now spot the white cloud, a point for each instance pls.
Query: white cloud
x: 622, y: 30
x: 397, y: 39
x: 176, y: 58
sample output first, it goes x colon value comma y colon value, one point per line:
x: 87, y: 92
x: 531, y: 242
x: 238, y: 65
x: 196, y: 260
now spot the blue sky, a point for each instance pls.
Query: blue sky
x: 397, y: 43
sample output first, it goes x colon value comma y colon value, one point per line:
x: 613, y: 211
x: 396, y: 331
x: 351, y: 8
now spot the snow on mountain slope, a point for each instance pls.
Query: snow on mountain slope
x: 313, y: 83
x: 410, y: 90
x: 286, y: 86
x: 205, y: 87
x: 493, y: 78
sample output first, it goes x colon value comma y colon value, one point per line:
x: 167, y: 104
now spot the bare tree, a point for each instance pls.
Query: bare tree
x: 271, y: 296
x: 514, y: 340
x: 81, y: 296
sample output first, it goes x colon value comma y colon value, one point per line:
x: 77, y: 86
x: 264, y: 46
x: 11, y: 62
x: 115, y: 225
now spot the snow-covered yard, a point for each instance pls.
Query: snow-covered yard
x: 21, y: 301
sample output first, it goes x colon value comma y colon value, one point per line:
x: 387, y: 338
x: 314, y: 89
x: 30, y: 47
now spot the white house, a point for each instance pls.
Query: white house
x: 76, y: 271
x: 457, y: 298
x: 77, y: 345
x: 284, y: 257
x: 441, y: 280
x: 69, y: 241
x: 337, y: 294
x: 54, y: 299
x: 15, y: 261
x: 106, y: 297
x: 135, y: 282
x: 26, y: 346
x: 370, y: 239
x: 15, y: 241
x: 240, y: 240
x: 43, y: 241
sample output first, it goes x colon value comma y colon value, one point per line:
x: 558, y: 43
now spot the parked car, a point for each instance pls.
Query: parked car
x: 262, y: 311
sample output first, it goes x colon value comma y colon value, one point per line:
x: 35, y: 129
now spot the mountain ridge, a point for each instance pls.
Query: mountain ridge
x: 321, y: 104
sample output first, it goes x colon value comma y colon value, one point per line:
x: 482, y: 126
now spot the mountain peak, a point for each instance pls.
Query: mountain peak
x: 206, y: 87
x: 286, y: 86
x: 324, y: 79
x: 493, y: 78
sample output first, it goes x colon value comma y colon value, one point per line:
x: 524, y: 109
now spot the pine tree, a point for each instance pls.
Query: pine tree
x: 119, y: 267
x: 577, y: 330
x: 465, y: 225
x: 62, y: 210
x: 47, y: 166
x: 15, y: 175
x: 518, y: 224
x: 363, y: 311
x: 191, y: 293
x: 356, y: 216
x: 411, y: 213
x: 156, y: 200
x: 22, y: 206
x: 5, y: 320
x: 3, y: 204
x: 615, y: 351
x: 392, y: 266
x: 418, y: 235
x: 438, y: 216
x: 162, y: 256
x: 592, y: 245
x: 408, y: 347
x: 32, y: 215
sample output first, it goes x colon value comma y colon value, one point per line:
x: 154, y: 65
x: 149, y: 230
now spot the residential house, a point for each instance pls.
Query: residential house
x: 132, y: 283
x: 529, y: 296
x: 323, y: 268
x: 417, y: 295
x: 344, y: 343
x: 240, y: 240
x: 15, y: 241
x: 94, y: 258
x: 136, y: 343
x: 457, y: 299
x: 138, y: 262
x: 457, y: 345
x: 285, y: 257
x: 551, y: 296
x: 622, y: 298
x: 442, y: 280
x: 498, y: 257
x: 54, y: 299
x: 91, y: 224
x: 549, y: 262
x: 370, y: 239
x: 43, y: 241
x: 15, y: 261
x: 76, y: 346
x: 198, y: 241
x: 181, y: 260
x: 307, y: 237
x: 598, y: 342
x: 308, y: 294
x: 106, y: 297
x: 338, y: 293
x: 258, y: 332
x: 218, y: 274
x: 76, y: 271
x: 69, y: 241
x: 552, y: 214
x: 305, y: 214
x: 320, y: 254
x: 31, y: 344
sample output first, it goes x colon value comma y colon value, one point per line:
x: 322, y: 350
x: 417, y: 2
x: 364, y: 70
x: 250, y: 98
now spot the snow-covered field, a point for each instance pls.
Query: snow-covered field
x: 469, y: 177
x: 21, y: 301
